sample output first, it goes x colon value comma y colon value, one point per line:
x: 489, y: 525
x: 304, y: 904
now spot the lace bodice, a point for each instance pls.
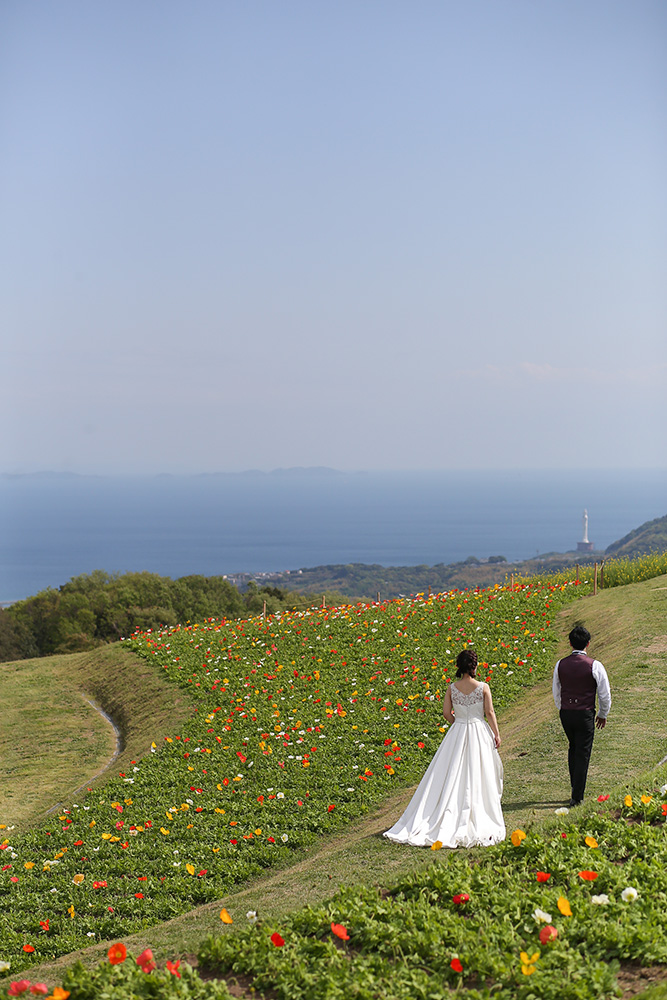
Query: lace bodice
x: 468, y: 706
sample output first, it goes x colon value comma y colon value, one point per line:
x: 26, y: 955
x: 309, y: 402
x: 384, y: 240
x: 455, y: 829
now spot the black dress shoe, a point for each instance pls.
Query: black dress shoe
x: 575, y: 802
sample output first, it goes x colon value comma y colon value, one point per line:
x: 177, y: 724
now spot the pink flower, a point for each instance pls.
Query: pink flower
x: 18, y: 987
x: 39, y: 989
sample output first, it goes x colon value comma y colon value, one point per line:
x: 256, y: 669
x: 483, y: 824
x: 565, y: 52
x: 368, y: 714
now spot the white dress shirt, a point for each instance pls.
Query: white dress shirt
x: 600, y: 678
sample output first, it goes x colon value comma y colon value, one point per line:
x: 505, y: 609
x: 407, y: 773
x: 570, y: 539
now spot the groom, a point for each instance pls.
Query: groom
x: 577, y: 679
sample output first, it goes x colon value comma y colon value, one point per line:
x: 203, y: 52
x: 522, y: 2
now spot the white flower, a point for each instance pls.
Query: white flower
x: 663, y: 789
x: 563, y: 811
x: 601, y: 900
x: 252, y: 916
x: 280, y: 795
x: 4, y: 966
x: 90, y: 933
x: 629, y: 895
x: 541, y: 917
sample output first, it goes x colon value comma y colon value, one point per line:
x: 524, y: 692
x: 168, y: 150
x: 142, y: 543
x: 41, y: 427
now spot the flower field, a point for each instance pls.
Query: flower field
x: 300, y: 723
x: 547, y: 915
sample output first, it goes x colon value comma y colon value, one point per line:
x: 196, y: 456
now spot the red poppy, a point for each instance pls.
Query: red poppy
x: 138, y: 895
x: 18, y: 987
x: 602, y: 798
x: 117, y: 953
x: 44, y: 924
x: 456, y: 965
x: 145, y: 961
x: 330, y: 809
x: 78, y: 843
x: 461, y: 897
x: 548, y: 933
x: 543, y: 876
x: 340, y: 932
x: 28, y: 949
x: 588, y: 876
x: 173, y: 968
x: 277, y: 940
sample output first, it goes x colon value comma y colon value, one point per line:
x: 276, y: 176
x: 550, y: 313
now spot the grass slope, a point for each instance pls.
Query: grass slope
x: 54, y: 742
x: 627, y: 636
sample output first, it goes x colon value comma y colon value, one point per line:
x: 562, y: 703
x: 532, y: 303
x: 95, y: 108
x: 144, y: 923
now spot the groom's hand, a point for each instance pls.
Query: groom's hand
x: 600, y: 723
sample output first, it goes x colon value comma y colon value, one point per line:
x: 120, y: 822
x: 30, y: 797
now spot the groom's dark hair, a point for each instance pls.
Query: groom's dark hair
x: 466, y: 662
x: 579, y: 637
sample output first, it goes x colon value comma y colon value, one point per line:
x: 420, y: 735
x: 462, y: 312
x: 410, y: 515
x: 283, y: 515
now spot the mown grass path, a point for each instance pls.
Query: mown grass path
x: 628, y: 628
x: 53, y: 740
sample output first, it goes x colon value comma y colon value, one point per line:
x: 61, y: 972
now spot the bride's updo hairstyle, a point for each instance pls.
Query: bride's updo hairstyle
x: 466, y: 663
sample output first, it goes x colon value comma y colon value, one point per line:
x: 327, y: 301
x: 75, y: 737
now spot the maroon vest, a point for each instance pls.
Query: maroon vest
x: 577, y: 684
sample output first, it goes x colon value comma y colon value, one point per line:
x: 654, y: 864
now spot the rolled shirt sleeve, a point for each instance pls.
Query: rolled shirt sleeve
x: 556, y: 687
x: 604, y: 690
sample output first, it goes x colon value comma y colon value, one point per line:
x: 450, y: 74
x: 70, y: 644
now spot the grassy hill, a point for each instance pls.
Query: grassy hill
x: 648, y: 537
x: 340, y: 708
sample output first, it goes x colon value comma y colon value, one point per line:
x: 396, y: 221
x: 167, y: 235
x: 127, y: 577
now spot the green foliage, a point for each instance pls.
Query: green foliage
x: 619, y: 572
x: 127, y: 981
x: 96, y: 608
x: 648, y: 538
x: 403, y: 941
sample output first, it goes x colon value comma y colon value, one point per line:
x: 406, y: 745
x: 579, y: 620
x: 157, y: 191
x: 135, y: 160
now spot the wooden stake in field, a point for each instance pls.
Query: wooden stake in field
x: 595, y: 580
x: 602, y: 575
x: 324, y: 600
x: 264, y: 611
x: 577, y: 572
x: 378, y: 596
x: 512, y: 582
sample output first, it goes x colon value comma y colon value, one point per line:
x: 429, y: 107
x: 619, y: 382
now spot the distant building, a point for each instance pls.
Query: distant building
x: 584, y: 545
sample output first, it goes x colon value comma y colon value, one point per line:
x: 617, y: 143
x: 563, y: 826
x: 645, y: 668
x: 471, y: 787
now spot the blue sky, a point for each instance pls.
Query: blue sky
x: 375, y: 235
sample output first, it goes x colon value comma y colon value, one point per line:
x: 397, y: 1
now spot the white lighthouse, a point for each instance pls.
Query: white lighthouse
x: 584, y: 545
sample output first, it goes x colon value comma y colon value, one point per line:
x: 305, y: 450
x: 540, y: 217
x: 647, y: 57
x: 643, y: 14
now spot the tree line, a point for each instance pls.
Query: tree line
x: 97, y: 608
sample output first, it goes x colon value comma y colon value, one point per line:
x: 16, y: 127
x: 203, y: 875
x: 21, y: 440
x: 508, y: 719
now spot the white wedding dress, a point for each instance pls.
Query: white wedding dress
x: 457, y: 801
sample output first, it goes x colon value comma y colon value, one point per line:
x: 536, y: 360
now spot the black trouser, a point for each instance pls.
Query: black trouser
x: 579, y: 726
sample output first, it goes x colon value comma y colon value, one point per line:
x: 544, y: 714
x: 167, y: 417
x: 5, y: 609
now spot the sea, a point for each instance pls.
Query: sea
x: 56, y: 526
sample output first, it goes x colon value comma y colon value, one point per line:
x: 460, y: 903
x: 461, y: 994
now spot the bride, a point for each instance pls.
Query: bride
x: 457, y: 802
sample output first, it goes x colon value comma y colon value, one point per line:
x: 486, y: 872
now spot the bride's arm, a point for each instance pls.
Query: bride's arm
x: 447, y: 706
x: 491, y: 715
